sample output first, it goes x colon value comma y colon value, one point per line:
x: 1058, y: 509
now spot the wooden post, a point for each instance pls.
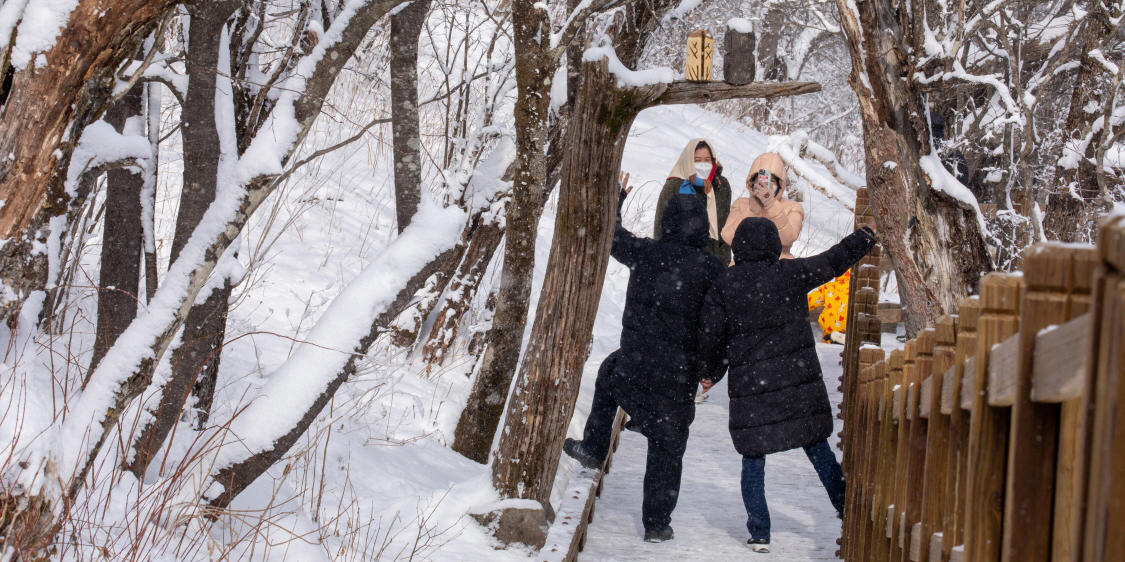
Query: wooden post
x: 883, y: 461
x: 919, y: 431
x: 1105, y: 511
x: 891, y: 457
x: 954, y: 522
x: 862, y: 327
x: 1033, y: 440
x: 937, y: 451
x: 902, y: 455
x: 1074, y: 423
x: 700, y: 54
x: 858, y: 519
x: 738, y: 56
x: 988, y: 430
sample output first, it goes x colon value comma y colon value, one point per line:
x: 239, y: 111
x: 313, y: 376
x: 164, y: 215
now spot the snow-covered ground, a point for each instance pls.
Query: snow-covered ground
x: 709, y: 521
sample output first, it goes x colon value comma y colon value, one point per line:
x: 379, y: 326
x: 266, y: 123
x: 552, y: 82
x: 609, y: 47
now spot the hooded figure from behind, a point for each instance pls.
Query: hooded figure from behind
x: 654, y: 374
x: 755, y: 323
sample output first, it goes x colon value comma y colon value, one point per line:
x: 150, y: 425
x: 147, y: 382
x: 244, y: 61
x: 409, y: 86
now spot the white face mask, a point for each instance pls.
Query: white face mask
x: 703, y: 170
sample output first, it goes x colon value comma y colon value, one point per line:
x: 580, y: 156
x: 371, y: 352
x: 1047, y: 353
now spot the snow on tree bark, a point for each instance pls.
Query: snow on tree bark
x: 406, y: 26
x: 119, y: 278
x: 933, y: 239
x: 535, y: 66
x: 195, y: 363
x: 57, y: 94
x: 1075, y: 197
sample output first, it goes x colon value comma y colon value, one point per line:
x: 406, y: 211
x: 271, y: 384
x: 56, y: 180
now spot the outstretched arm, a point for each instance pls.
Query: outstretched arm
x: 817, y: 270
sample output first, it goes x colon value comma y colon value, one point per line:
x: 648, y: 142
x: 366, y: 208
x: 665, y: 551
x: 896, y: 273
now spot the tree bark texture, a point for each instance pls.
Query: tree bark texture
x: 535, y: 67
x: 933, y: 240
x: 1073, y: 204
x: 483, y: 240
x: 122, y: 236
x: 195, y: 363
x: 543, y: 399
x: 148, y: 224
x: 406, y: 26
x: 57, y: 94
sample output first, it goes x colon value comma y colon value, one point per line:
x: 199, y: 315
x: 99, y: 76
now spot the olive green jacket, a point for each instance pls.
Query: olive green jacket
x: 717, y: 248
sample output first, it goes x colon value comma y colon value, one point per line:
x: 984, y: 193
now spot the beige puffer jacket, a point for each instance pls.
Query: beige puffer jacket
x: 786, y: 214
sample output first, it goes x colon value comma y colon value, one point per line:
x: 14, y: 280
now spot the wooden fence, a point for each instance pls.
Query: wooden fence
x: 994, y: 435
x: 566, y: 536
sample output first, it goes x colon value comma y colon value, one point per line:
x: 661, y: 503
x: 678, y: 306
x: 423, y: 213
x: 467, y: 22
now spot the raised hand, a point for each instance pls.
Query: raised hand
x: 625, y: 183
x: 764, y: 192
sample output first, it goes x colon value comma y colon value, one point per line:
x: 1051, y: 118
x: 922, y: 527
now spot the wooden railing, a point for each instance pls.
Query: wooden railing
x: 996, y: 434
x: 567, y: 535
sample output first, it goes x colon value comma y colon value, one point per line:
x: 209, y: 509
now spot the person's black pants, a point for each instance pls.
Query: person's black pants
x: 666, y: 431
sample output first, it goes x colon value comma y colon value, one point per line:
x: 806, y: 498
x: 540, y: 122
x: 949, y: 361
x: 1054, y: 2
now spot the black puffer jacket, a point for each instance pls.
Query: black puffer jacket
x: 757, y: 315
x: 668, y: 279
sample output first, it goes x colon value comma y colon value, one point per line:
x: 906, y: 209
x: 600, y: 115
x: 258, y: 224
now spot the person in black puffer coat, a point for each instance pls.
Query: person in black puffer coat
x: 654, y: 374
x: 755, y: 322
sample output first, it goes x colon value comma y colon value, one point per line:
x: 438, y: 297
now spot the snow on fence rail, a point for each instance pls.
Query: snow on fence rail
x: 995, y: 435
x: 567, y: 535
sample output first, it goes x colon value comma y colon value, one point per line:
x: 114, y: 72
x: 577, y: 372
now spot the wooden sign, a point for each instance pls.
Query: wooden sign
x: 700, y: 54
x: 738, y: 56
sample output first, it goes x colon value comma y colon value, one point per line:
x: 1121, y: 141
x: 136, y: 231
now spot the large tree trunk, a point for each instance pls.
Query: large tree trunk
x: 63, y: 89
x: 1073, y: 201
x: 543, y: 399
x: 120, y: 273
x: 933, y: 240
x: 534, y: 69
x: 195, y: 363
x: 406, y: 26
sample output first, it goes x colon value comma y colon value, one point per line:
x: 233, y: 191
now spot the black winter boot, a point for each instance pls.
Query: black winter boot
x: 574, y: 448
x: 659, y: 535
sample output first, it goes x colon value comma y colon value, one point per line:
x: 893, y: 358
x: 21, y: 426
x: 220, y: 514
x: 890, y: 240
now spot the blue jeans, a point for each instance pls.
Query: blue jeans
x: 754, y: 486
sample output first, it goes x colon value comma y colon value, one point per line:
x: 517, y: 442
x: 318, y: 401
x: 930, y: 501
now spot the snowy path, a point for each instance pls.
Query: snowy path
x: 710, y: 521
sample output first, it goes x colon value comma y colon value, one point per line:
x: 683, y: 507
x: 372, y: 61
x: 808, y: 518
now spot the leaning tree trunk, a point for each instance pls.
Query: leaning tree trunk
x: 236, y: 477
x: 63, y: 89
x: 120, y: 275
x: 534, y: 69
x: 195, y: 363
x: 1073, y: 202
x: 933, y: 240
x: 543, y: 399
x: 485, y: 236
x: 406, y: 26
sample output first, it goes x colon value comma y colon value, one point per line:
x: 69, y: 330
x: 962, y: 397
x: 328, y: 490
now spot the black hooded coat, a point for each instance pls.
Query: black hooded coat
x: 657, y: 367
x: 755, y: 322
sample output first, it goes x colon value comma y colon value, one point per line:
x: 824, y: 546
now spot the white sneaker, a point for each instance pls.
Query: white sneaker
x: 759, y: 545
x: 837, y: 337
x: 700, y: 397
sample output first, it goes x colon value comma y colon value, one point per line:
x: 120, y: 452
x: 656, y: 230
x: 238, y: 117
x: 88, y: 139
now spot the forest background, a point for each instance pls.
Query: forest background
x: 245, y: 241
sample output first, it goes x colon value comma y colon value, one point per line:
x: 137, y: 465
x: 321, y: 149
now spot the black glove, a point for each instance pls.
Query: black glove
x: 621, y: 202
